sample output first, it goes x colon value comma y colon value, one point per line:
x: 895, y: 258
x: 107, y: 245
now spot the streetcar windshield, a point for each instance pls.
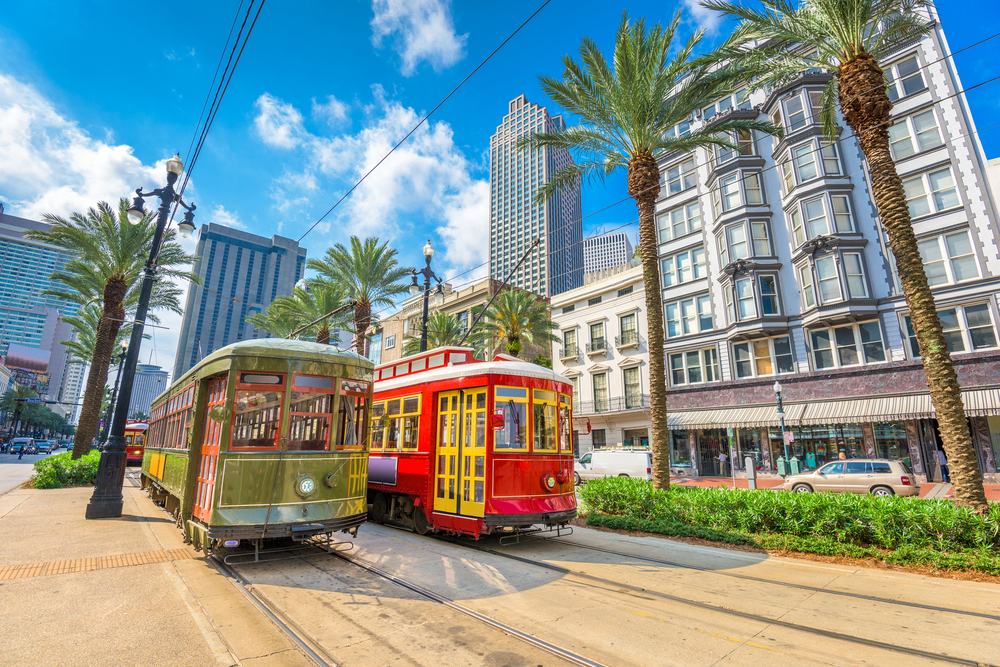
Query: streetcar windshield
x: 352, y: 421
x: 513, y: 403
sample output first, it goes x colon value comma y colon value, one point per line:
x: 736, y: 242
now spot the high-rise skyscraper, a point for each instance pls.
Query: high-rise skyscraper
x: 515, y: 220
x: 150, y: 381
x: 233, y: 265
x: 606, y: 251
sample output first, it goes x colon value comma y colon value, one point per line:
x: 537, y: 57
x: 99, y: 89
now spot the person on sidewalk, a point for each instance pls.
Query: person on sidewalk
x: 722, y: 464
x: 24, y: 446
x: 942, y: 462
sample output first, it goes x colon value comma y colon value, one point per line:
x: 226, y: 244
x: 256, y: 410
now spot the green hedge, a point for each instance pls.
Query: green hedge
x: 54, y: 472
x: 895, y: 530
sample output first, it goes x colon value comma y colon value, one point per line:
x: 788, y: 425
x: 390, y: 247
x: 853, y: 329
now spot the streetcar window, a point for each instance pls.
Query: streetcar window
x: 513, y: 403
x: 313, y: 382
x: 565, y: 424
x: 392, y: 407
x: 258, y: 378
x: 352, y: 420
x: 544, y: 411
x: 411, y: 405
x: 257, y: 419
x: 418, y: 365
x: 378, y: 426
x: 436, y: 360
x: 309, y: 422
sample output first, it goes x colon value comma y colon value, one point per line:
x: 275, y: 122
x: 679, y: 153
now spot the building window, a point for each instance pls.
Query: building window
x: 854, y: 271
x: 601, y: 403
x: 768, y: 295
x: 852, y: 345
x: 817, y: 214
x: 742, y: 303
x: 633, y: 388
x: 569, y: 344
x: 597, y: 336
x: 804, y: 158
x: 569, y: 309
x: 949, y: 259
x: 726, y: 196
x: 966, y: 329
x: 629, y: 330
x: 683, y: 267
x: 679, y: 222
x: 914, y: 134
x: 905, y: 78
x: 744, y: 145
x: 598, y: 438
x: 761, y: 242
x: 688, y: 316
x: 593, y: 302
x: 932, y: 192
x: 769, y: 356
x: 795, y: 113
x: 625, y: 291
x: 694, y: 367
x: 390, y: 342
x: 806, y: 281
x: 829, y: 284
x: 679, y: 178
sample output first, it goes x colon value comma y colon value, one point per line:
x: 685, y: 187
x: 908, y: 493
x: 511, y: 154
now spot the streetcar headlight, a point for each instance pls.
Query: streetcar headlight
x: 549, y: 481
x: 231, y: 543
x: 305, y: 485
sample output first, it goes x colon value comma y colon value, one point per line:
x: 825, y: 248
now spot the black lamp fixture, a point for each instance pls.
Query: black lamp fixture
x: 107, y: 499
x: 427, y: 273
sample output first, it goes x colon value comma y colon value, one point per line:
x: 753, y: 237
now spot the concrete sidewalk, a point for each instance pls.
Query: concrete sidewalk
x: 122, y: 591
x: 927, y: 489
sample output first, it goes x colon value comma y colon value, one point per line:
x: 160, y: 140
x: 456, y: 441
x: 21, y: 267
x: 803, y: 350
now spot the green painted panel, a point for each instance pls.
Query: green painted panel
x: 175, y: 472
x: 247, y: 480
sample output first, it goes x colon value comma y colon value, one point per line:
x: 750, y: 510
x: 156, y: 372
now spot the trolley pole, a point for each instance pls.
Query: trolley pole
x: 107, y: 499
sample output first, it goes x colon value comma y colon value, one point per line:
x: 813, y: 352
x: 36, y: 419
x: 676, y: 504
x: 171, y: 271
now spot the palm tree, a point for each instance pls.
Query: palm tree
x: 110, y: 255
x: 517, y: 315
x: 13, y: 401
x: 84, y: 325
x: 443, y: 329
x: 626, y: 119
x: 307, y: 304
x: 369, y: 273
x: 850, y: 38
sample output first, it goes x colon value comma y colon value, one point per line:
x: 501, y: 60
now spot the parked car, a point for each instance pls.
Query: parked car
x: 879, y: 477
x: 614, y: 463
x: 45, y: 446
x: 17, y: 443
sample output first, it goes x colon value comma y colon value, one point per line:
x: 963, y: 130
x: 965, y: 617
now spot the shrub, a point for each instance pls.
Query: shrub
x: 57, y: 471
x: 893, y: 529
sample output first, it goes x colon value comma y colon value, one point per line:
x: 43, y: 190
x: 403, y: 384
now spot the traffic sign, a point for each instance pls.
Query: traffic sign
x: 32, y: 400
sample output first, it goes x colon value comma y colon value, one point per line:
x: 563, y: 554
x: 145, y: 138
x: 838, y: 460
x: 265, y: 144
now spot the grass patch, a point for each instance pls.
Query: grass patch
x: 55, y: 472
x: 900, y: 531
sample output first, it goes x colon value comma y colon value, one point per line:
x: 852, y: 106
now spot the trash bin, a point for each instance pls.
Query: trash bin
x: 795, y: 465
x: 781, y: 466
x: 751, y: 468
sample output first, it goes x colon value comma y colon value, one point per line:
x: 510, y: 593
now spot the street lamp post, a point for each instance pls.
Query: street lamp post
x: 114, y: 394
x: 781, y: 418
x: 415, y: 290
x: 107, y: 499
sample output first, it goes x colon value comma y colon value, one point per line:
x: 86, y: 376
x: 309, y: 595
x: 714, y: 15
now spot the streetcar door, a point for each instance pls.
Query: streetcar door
x: 473, y: 438
x: 209, y: 450
x: 446, y: 471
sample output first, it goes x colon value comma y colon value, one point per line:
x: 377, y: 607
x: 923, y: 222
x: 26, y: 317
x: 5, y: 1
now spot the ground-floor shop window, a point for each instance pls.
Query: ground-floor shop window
x: 680, y: 449
x: 890, y: 441
x: 711, y: 443
x: 598, y: 437
x: 748, y: 441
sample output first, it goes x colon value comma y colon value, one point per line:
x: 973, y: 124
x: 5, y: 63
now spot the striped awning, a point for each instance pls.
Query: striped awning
x: 745, y: 417
x: 978, y: 403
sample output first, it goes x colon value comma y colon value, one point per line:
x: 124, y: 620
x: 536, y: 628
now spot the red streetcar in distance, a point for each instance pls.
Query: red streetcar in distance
x: 135, y: 440
x: 470, y: 447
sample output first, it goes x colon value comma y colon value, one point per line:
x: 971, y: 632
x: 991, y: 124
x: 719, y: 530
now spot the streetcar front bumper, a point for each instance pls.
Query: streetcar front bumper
x: 545, y: 518
x: 300, y: 530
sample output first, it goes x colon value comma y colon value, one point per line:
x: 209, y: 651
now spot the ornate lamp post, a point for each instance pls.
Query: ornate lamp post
x: 107, y: 499
x: 781, y: 418
x: 415, y: 290
x: 114, y: 394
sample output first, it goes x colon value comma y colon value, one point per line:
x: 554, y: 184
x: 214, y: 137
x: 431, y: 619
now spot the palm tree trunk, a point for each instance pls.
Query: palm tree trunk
x: 362, y: 318
x: 107, y: 330
x: 323, y: 337
x: 643, y: 186
x: 866, y: 108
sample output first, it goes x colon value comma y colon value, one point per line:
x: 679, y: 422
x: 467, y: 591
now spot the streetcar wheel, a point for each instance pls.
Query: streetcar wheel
x: 576, y: 479
x: 420, y: 523
x: 377, y: 513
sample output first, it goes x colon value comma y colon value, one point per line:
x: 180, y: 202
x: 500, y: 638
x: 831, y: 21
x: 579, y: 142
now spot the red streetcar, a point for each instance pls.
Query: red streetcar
x: 135, y: 440
x: 472, y: 447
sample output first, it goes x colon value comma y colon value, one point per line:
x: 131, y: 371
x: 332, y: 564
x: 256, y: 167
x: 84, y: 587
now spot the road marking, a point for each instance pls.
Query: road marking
x: 88, y: 564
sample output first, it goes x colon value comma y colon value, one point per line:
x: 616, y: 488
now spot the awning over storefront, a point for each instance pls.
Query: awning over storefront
x: 759, y: 415
x: 978, y: 403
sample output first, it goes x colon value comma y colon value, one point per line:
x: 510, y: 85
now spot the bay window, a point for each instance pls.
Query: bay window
x: 854, y: 271
x: 851, y: 345
x: 688, y: 316
x: 829, y: 283
x: 694, y: 367
x: 683, y: 267
x: 949, y: 259
x: 742, y: 302
x: 761, y: 242
x: 914, y: 134
x: 744, y: 145
x: 768, y: 356
x: 966, y: 329
x: 816, y: 216
x: 726, y: 195
x: 806, y: 283
x: 679, y: 221
x: 906, y: 78
x: 931, y: 192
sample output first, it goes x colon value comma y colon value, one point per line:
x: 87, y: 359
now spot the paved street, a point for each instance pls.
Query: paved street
x: 14, y: 473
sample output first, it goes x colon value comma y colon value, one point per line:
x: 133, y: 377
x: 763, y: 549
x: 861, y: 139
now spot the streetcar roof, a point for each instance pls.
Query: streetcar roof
x: 501, y: 365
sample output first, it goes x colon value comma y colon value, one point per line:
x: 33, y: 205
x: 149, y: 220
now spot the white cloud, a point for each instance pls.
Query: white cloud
x: 51, y: 165
x: 279, y: 124
x: 333, y: 111
x: 230, y: 219
x: 421, y: 30
x: 707, y: 19
x: 426, y: 184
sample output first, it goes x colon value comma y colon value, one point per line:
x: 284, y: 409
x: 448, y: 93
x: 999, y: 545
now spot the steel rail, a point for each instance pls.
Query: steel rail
x: 301, y: 638
x: 486, y: 620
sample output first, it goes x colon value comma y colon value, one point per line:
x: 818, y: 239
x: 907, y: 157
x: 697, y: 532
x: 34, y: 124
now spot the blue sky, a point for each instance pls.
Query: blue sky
x: 95, y: 96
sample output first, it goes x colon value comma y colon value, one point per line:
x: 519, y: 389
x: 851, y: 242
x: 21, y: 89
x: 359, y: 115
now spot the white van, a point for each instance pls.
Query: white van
x: 614, y: 463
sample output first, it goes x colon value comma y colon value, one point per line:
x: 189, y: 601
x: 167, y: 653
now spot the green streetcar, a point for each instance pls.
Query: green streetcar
x: 263, y: 439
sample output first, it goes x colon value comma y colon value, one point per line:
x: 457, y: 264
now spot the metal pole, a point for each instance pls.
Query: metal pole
x: 114, y: 395
x: 107, y: 499
x: 781, y: 417
x: 427, y: 296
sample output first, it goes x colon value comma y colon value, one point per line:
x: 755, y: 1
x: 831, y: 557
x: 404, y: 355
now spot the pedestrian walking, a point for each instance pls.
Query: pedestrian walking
x: 722, y: 463
x: 942, y: 462
x: 23, y: 447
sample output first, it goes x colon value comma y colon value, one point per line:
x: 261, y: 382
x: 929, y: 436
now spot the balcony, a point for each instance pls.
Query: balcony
x: 627, y: 339
x: 613, y: 404
x: 597, y: 346
x: 569, y: 354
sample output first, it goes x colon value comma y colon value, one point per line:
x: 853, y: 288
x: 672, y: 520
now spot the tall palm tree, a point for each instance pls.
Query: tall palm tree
x: 110, y: 255
x: 626, y: 116
x: 84, y: 325
x: 850, y: 38
x: 369, y: 273
x: 307, y: 304
x: 443, y: 329
x: 517, y: 315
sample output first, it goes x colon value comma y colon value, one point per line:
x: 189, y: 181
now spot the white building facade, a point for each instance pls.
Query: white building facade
x: 775, y: 267
x: 605, y: 358
x: 516, y: 220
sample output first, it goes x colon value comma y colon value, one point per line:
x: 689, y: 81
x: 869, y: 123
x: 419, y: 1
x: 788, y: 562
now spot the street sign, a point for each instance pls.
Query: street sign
x: 789, y: 437
x: 32, y: 400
